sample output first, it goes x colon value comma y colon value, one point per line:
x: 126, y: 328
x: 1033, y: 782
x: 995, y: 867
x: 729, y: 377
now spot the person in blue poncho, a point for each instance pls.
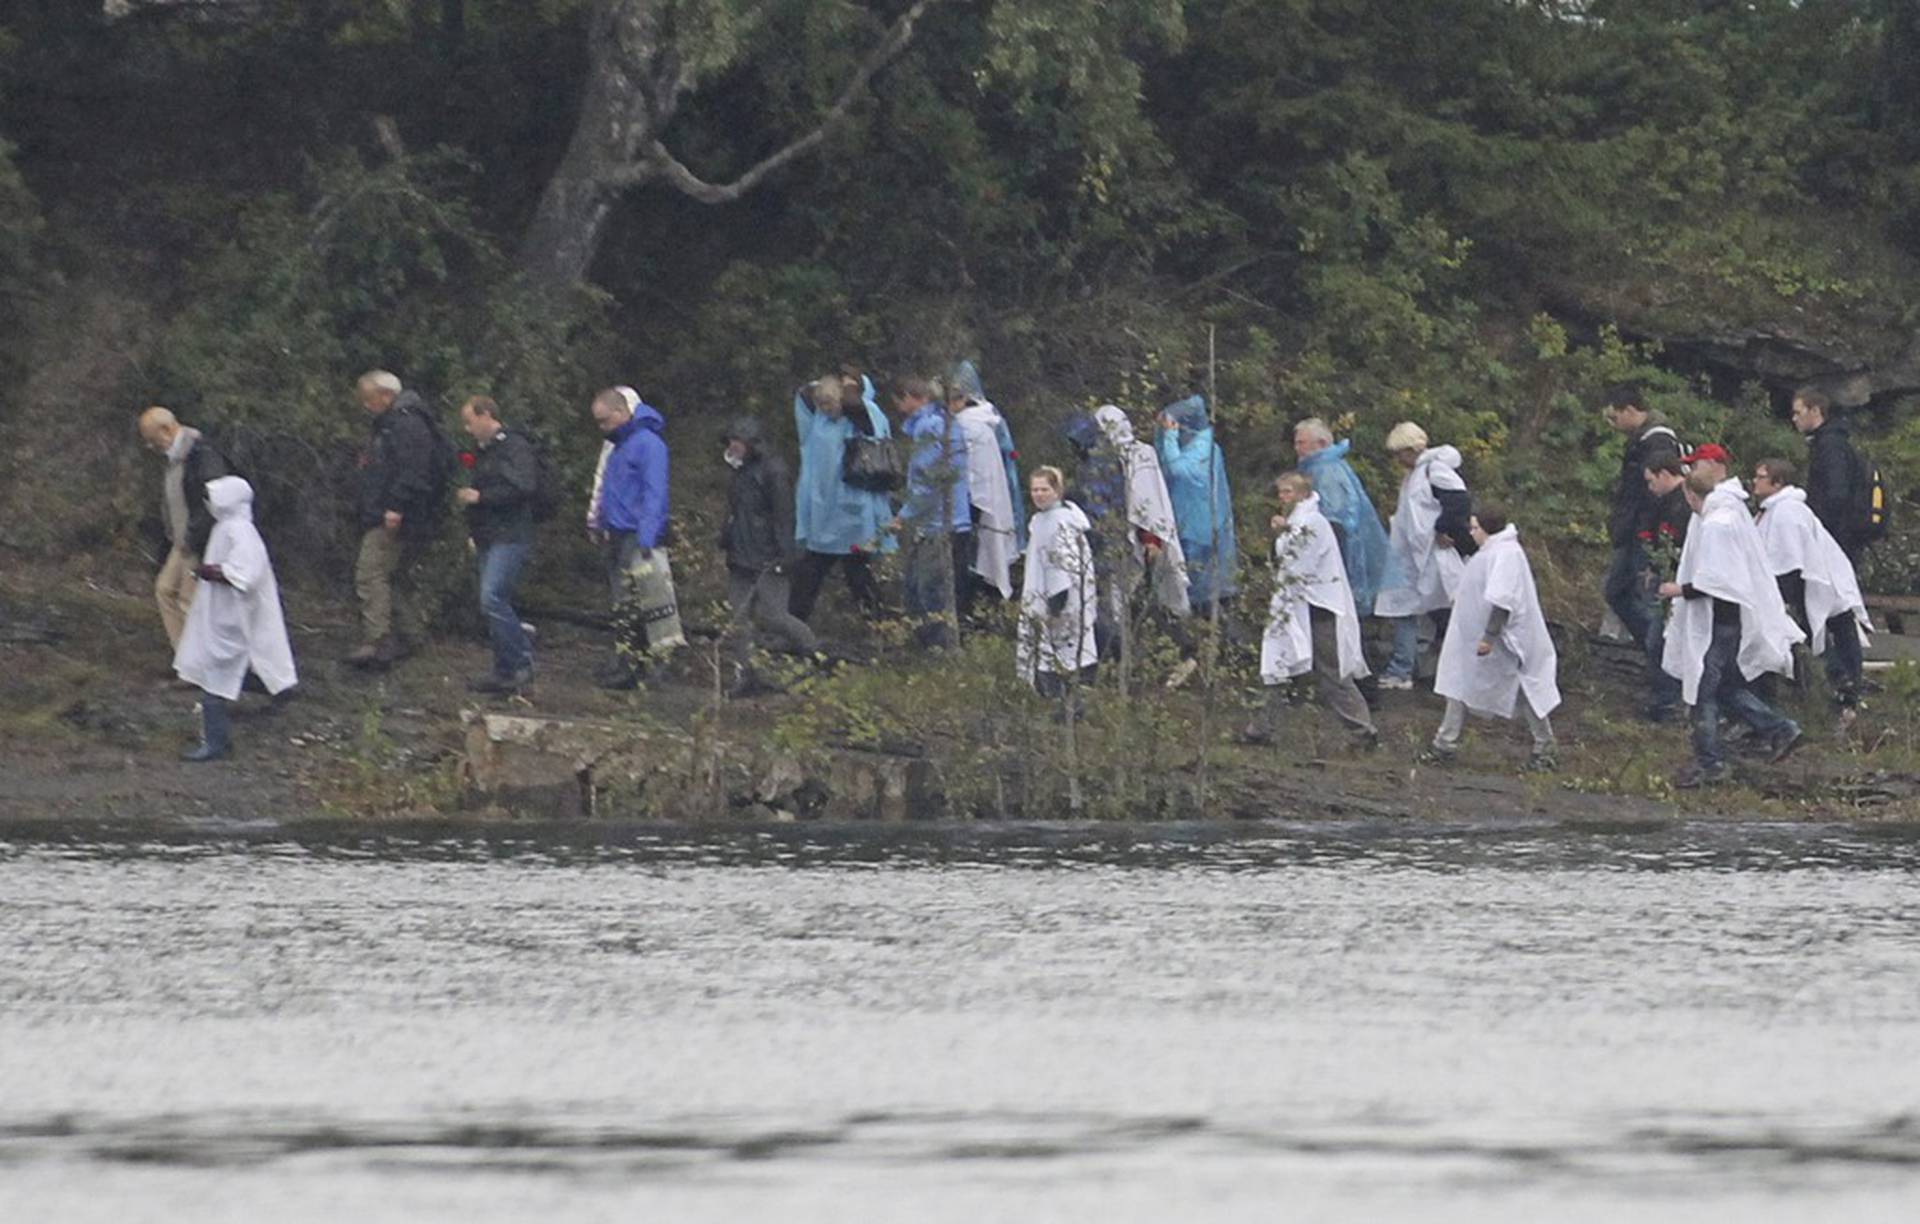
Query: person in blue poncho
x: 936, y: 513
x: 1344, y: 500
x: 835, y: 523
x: 1196, y: 474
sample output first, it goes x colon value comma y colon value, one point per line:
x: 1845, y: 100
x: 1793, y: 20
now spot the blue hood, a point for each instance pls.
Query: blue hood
x: 1189, y: 413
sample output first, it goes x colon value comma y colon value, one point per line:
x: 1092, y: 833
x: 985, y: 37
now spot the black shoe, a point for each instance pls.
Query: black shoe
x: 1692, y: 776
x: 205, y: 752
x: 1435, y: 755
x: 1256, y: 735
x: 1783, y: 745
x: 617, y: 679
x: 1541, y: 762
x: 282, y: 699
x: 1657, y: 714
x: 1363, y: 743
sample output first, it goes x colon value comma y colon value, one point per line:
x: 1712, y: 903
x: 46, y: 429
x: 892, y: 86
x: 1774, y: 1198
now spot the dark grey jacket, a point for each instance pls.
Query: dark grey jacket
x: 1634, y: 508
x: 398, y: 471
x: 506, y: 474
x: 758, y: 533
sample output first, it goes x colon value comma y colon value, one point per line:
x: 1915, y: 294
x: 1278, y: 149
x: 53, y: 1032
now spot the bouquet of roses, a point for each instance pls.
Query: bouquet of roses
x: 1663, y: 557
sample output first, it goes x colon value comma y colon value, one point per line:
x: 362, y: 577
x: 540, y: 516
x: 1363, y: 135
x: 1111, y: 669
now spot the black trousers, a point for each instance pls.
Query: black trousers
x: 810, y: 574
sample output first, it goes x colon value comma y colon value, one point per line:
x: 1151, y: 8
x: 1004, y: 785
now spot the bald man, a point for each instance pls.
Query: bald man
x: 191, y: 462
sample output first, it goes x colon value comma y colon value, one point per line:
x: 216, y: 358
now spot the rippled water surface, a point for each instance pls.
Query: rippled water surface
x: 1361, y: 1023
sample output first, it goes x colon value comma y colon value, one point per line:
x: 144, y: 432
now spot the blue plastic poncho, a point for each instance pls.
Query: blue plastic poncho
x: 936, y: 495
x: 830, y: 515
x: 1344, y: 500
x: 1196, y: 475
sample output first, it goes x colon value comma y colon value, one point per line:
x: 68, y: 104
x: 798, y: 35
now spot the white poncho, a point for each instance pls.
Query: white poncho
x: 1149, y: 508
x: 1795, y: 540
x: 1523, y: 658
x: 1310, y: 574
x: 235, y: 625
x: 1059, y: 559
x: 1723, y: 558
x: 993, y: 528
x: 1421, y: 575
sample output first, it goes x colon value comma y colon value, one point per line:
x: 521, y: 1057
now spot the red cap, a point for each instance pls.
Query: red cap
x: 1712, y: 451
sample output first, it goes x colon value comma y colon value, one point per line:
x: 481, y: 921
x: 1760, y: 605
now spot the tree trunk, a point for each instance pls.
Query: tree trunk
x: 616, y: 119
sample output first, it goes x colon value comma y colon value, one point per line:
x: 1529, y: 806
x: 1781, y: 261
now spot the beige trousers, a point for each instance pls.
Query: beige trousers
x: 173, y: 591
x: 384, y: 563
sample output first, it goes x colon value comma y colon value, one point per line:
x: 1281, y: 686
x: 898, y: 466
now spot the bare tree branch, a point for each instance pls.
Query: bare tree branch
x: 657, y: 160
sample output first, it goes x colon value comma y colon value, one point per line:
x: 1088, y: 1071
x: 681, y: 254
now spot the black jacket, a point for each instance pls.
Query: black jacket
x: 1634, y: 509
x: 398, y: 472
x: 203, y: 463
x: 758, y: 533
x: 1455, y: 521
x: 506, y: 474
x: 1833, y: 476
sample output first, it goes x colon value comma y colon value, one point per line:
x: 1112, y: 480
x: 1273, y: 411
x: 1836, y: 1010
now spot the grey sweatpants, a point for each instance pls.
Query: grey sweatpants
x: 1454, y: 721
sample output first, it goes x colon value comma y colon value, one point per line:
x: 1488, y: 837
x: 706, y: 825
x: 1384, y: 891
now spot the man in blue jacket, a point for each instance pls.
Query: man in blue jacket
x: 937, y: 514
x: 630, y: 513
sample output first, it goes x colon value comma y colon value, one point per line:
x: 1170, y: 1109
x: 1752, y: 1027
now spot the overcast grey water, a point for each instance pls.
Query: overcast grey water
x: 1701, y: 1022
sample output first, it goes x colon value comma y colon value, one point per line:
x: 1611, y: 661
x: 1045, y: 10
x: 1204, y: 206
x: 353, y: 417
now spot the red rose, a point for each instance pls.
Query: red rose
x: 1646, y: 537
x: 467, y: 460
x: 1667, y: 529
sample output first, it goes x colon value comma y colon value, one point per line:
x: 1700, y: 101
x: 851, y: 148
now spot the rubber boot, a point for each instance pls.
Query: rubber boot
x: 216, y: 730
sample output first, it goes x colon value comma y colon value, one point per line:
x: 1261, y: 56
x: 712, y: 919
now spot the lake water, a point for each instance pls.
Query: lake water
x: 1702, y: 1022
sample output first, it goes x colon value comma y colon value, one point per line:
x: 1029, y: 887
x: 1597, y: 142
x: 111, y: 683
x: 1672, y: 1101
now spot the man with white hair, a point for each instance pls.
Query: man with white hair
x: 1430, y: 532
x: 192, y: 462
x: 403, y: 481
x: 1344, y: 501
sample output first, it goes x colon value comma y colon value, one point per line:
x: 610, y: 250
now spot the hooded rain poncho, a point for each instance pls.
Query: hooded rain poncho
x: 1202, y: 501
x: 1344, y: 500
x: 996, y: 534
x: 235, y: 626
x: 1149, y: 509
x: 1421, y: 575
x: 1059, y: 559
x: 1523, y: 658
x: 1795, y: 540
x: 1723, y: 558
x: 1310, y: 575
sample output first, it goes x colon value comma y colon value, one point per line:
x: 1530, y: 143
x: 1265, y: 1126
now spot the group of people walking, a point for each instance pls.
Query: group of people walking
x: 1140, y: 531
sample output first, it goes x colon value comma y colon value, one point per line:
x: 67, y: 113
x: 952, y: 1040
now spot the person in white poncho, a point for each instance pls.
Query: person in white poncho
x: 995, y: 531
x: 1311, y: 621
x: 1057, y: 591
x: 1816, y: 579
x: 1155, y: 537
x: 1498, y: 655
x: 235, y: 624
x: 1727, y: 626
x: 1426, y: 538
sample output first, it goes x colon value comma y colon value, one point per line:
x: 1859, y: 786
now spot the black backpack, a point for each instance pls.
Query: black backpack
x: 443, y: 462
x: 1872, y: 505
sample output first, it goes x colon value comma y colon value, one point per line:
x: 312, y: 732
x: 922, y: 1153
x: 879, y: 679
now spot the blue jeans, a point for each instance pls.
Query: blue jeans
x: 1406, y: 641
x: 1842, y: 659
x: 1721, y: 684
x: 1627, y: 591
x: 500, y: 566
x: 935, y: 564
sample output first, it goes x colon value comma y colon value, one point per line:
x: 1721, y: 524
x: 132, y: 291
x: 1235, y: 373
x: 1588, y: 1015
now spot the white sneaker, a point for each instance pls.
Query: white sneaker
x: 1396, y: 682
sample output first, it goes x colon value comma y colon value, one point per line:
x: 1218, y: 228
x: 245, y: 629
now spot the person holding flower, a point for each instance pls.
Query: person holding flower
x: 502, y: 483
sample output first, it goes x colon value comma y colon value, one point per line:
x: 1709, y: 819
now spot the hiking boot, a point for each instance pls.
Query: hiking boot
x: 496, y: 683
x: 1541, y: 761
x: 617, y: 676
x: 1782, y: 745
x: 1364, y: 742
x: 1398, y: 684
x: 1693, y: 775
x: 1657, y: 714
x: 282, y: 699
x: 391, y: 649
x: 366, y: 655
x: 1434, y: 754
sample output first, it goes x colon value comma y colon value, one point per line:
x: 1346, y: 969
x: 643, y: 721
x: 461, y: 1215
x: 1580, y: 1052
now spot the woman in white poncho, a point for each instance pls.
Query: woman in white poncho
x: 235, y: 624
x: 1423, y: 558
x: 1311, y: 621
x: 1497, y: 654
x: 1727, y: 625
x: 1155, y: 537
x: 1057, y: 591
x: 1815, y: 577
x: 995, y: 530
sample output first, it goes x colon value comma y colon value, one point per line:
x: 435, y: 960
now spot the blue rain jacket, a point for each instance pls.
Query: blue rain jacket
x: 1343, y: 499
x: 936, y: 471
x: 633, y: 495
x: 830, y: 515
x: 1196, y: 475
